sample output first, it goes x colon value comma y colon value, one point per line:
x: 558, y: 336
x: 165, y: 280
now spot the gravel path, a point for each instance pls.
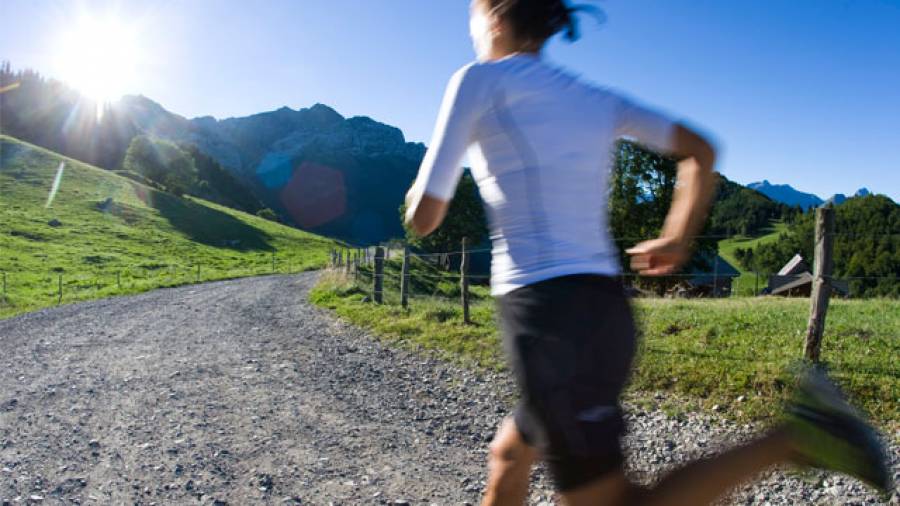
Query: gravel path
x: 240, y: 392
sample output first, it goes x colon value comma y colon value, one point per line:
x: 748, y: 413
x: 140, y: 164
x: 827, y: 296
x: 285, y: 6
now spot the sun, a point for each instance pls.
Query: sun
x: 98, y: 56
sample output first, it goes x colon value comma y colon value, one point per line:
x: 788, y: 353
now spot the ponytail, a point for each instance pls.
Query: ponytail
x: 535, y: 21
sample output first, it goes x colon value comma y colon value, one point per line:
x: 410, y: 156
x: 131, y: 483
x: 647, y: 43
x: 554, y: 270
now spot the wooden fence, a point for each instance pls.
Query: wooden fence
x: 352, y: 260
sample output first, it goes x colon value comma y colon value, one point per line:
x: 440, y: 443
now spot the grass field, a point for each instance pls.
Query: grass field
x: 728, y: 355
x: 143, y: 239
x: 746, y: 283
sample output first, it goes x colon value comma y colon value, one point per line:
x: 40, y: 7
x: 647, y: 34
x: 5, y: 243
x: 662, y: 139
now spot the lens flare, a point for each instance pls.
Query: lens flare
x: 9, y: 87
x: 56, y: 182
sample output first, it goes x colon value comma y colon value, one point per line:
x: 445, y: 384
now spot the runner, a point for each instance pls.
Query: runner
x: 540, y: 143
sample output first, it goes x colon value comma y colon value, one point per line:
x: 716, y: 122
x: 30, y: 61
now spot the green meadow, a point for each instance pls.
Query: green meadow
x: 103, y: 235
x: 733, y: 356
x: 747, y: 282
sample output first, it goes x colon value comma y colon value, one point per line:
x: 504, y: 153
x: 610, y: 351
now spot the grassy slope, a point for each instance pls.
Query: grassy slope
x: 706, y: 352
x: 746, y: 283
x: 149, y: 238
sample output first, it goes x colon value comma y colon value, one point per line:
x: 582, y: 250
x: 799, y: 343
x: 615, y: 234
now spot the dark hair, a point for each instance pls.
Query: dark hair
x: 535, y: 21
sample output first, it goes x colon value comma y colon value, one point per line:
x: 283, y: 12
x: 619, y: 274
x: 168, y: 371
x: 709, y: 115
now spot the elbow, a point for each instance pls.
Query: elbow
x: 690, y: 144
x: 427, y: 216
x: 419, y: 226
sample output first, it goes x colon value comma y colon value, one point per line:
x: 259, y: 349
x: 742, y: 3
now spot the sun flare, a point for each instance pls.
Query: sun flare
x: 98, y: 56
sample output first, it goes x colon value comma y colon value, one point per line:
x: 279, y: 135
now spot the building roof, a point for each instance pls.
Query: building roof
x: 795, y: 265
x: 781, y: 283
x: 784, y: 284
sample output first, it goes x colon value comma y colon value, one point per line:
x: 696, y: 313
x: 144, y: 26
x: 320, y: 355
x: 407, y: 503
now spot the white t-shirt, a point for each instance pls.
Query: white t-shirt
x: 540, y: 142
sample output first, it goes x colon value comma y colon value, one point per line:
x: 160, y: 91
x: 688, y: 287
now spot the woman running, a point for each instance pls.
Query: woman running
x: 540, y: 143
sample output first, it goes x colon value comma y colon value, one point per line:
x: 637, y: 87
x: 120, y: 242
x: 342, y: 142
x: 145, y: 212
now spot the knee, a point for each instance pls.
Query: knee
x: 505, y: 452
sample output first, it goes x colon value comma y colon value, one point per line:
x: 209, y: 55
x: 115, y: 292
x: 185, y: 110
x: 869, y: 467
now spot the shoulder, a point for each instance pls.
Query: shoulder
x: 602, y: 92
x: 473, y: 74
x: 575, y: 82
x: 472, y: 81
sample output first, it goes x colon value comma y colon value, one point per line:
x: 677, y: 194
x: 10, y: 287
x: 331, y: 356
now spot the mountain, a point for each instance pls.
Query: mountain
x: 840, y: 198
x: 786, y: 194
x: 337, y: 176
x: 342, y: 177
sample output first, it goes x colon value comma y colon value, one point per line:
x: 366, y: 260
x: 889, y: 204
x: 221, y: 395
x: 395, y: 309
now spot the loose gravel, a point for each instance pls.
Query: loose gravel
x: 241, y: 392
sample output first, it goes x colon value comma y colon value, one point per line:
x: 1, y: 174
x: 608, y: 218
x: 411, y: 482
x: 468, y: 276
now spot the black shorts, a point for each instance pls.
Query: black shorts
x: 570, y: 341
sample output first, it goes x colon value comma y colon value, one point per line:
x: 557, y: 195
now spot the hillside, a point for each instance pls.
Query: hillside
x: 741, y: 210
x: 104, y: 235
x: 866, y: 246
x: 311, y: 165
x: 747, y: 283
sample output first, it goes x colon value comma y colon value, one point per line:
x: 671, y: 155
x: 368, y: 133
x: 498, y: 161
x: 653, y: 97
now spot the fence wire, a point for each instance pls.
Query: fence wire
x: 436, y: 274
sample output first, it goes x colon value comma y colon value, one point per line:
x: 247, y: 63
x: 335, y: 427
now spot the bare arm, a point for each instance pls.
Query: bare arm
x: 694, y: 189
x: 424, y: 213
x: 429, y: 198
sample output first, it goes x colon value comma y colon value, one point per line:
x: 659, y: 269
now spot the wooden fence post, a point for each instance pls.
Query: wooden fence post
x: 716, y: 293
x: 4, y: 284
x: 464, y: 281
x: 821, y: 288
x: 59, y: 300
x: 379, y: 275
x: 273, y: 261
x: 404, y: 279
x: 119, y: 280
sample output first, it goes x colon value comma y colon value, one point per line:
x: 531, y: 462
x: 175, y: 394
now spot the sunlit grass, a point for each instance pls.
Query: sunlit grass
x: 143, y: 239
x: 734, y: 355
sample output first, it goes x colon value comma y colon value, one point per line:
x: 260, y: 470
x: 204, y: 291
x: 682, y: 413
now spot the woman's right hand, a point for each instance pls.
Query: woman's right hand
x: 658, y: 257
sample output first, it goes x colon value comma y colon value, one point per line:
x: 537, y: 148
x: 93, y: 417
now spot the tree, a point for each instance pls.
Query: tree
x: 215, y: 183
x: 162, y: 162
x: 643, y: 183
x: 465, y: 218
x: 740, y: 210
x: 866, y: 246
x: 267, y: 214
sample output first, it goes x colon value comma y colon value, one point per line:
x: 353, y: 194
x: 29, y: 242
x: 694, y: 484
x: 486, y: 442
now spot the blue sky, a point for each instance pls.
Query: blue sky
x: 805, y: 92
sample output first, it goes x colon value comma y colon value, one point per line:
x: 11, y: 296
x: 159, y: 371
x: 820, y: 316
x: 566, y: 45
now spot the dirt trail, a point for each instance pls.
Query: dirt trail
x: 240, y: 392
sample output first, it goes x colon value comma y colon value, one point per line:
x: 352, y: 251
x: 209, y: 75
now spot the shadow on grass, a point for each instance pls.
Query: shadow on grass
x: 206, y: 225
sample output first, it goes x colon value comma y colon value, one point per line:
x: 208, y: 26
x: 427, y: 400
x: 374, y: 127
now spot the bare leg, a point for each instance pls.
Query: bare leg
x: 614, y: 489
x: 704, y: 481
x: 698, y: 483
x: 509, y: 467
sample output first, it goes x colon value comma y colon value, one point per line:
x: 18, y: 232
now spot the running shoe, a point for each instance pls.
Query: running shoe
x: 830, y: 434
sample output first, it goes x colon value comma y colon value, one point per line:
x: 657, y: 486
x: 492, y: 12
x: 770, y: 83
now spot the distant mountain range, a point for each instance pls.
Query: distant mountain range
x: 786, y: 194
